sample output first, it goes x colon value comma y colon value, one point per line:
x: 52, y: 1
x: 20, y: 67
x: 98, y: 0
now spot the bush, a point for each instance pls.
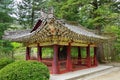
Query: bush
x: 5, y: 61
x: 25, y: 70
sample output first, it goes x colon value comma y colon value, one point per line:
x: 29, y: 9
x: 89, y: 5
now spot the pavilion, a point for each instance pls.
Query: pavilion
x: 58, y: 34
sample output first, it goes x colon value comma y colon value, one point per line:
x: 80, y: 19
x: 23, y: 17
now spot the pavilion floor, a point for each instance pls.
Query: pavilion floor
x: 75, y: 68
x: 62, y: 65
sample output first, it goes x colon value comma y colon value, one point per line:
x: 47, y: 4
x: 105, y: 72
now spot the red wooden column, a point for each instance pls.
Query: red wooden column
x: 27, y: 53
x: 39, y: 53
x: 79, y: 55
x: 58, y: 53
x: 69, y: 61
x: 95, y: 56
x: 88, y: 56
x: 55, y: 66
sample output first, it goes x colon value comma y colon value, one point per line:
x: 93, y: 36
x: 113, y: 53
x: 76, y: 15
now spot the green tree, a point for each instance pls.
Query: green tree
x: 5, y: 21
x: 29, y: 12
x: 115, y: 30
x: 98, y: 15
x: 93, y: 14
x: 66, y: 9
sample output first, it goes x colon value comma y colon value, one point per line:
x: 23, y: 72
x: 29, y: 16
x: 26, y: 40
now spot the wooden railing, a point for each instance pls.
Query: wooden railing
x: 83, y: 61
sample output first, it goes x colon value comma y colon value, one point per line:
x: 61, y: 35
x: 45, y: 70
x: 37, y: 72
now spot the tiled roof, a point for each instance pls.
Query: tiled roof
x: 45, y: 33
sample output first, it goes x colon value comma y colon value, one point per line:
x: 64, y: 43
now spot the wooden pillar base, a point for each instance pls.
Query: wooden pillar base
x: 95, y: 61
x: 88, y: 62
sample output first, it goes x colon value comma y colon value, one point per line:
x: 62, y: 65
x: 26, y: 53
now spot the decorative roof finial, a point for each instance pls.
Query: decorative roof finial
x: 51, y: 10
x: 49, y: 14
x: 43, y: 14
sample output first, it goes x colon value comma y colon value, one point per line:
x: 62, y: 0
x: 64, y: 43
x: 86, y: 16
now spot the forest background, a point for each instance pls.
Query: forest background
x: 101, y: 16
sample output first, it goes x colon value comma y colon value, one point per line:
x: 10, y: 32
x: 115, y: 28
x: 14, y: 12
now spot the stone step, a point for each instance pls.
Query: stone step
x: 80, y: 73
x: 95, y: 74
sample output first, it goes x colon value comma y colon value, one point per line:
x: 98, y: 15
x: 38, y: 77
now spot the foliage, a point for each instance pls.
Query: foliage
x: 28, y: 12
x: 6, y: 9
x: 64, y: 10
x: 93, y: 14
x: 25, y: 70
x: 5, y: 61
x: 74, y: 52
x: 47, y: 52
x: 90, y: 13
x: 115, y: 30
x: 5, y: 46
x: 5, y: 22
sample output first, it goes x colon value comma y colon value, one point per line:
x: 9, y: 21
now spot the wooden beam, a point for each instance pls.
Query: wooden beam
x: 27, y: 53
x: 79, y: 44
x: 55, y: 65
x: 69, y: 61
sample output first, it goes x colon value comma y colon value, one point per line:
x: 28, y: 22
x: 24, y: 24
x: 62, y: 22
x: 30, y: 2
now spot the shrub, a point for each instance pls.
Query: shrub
x: 25, y: 70
x: 5, y: 61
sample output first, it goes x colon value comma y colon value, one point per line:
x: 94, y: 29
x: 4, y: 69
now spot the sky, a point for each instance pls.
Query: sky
x: 15, y: 6
x: 18, y: 0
